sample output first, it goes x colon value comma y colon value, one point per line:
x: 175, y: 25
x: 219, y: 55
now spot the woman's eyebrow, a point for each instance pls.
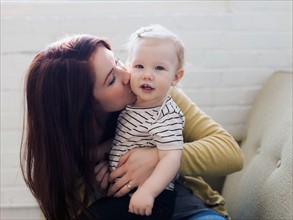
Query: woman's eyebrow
x: 106, y: 79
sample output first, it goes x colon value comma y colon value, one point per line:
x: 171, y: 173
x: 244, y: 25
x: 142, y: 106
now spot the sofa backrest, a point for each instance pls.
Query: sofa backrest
x: 263, y: 189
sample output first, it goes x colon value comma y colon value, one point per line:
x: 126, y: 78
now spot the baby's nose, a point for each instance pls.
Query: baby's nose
x: 148, y: 76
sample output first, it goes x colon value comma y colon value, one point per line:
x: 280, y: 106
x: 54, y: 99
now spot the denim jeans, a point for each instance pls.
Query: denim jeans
x: 206, y: 215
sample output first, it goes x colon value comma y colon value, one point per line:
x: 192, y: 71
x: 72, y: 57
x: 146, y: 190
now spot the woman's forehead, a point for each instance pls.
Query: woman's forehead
x: 102, y: 57
x: 102, y: 62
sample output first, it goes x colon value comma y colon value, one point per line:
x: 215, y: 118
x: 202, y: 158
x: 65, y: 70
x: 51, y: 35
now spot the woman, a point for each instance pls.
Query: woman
x: 74, y: 92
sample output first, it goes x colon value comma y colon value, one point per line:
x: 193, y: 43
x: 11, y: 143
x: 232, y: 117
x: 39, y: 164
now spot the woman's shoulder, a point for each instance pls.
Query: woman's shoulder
x: 179, y: 96
x: 174, y: 92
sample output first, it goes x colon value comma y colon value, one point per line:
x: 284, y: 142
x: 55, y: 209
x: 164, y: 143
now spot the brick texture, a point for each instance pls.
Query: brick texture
x: 232, y: 48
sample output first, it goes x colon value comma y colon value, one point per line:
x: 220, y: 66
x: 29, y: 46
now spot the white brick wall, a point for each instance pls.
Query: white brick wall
x: 232, y: 48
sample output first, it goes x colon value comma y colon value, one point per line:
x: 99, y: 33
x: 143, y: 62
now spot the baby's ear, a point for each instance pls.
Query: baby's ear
x: 178, y: 76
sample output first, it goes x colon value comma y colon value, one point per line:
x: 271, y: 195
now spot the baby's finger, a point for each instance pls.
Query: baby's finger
x: 148, y: 211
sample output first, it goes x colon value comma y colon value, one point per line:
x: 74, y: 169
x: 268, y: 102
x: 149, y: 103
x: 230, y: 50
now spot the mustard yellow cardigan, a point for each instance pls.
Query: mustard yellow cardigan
x: 209, y: 150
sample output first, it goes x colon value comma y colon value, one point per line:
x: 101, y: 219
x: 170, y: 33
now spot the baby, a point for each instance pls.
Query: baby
x: 155, y: 60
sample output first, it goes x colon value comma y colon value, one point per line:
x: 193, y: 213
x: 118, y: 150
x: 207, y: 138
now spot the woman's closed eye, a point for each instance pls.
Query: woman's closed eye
x: 112, y: 76
x: 112, y: 80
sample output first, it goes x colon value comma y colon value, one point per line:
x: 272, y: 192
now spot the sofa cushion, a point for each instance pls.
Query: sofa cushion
x: 263, y: 189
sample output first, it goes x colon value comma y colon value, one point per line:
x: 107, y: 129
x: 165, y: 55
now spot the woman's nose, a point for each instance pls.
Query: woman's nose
x: 126, y: 77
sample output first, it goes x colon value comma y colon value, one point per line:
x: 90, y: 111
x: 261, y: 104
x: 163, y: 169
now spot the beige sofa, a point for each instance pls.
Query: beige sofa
x: 263, y: 189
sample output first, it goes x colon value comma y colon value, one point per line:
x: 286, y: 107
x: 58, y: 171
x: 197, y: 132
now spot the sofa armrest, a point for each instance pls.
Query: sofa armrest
x: 263, y: 189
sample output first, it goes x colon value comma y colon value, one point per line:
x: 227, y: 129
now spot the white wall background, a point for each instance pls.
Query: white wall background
x: 232, y: 48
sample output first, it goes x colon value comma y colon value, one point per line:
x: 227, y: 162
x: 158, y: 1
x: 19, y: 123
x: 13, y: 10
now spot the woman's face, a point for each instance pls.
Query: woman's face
x: 112, y: 89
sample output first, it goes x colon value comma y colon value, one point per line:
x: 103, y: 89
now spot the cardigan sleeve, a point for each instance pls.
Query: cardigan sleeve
x: 209, y: 150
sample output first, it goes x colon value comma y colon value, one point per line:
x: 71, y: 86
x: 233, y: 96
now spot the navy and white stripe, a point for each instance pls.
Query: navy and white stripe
x: 159, y: 127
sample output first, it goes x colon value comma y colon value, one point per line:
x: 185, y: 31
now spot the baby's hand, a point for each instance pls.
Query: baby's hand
x: 141, y: 202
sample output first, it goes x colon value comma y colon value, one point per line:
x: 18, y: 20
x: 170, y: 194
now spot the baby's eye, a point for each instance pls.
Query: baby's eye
x: 139, y: 66
x: 159, y: 68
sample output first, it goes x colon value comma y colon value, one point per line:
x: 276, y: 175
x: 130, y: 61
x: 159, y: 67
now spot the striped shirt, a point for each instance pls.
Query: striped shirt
x: 159, y: 127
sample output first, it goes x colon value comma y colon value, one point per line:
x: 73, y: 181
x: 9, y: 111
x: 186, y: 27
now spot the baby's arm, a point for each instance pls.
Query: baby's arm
x: 142, y: 200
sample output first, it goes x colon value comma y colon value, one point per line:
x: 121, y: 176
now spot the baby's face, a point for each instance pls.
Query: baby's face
x: 153, y: 67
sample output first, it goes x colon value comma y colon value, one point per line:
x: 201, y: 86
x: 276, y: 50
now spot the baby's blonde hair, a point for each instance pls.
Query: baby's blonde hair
x: 159, y: 32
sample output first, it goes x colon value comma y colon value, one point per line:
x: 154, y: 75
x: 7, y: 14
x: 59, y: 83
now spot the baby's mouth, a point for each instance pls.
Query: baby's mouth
x: 146, y: 87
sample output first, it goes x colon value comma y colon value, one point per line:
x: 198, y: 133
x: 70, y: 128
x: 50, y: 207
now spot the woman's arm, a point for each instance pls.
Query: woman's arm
x: 209, y: 150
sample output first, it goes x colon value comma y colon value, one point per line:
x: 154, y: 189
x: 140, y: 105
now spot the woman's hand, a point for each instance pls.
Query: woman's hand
x: 102, y: 177
x: 133, y: 169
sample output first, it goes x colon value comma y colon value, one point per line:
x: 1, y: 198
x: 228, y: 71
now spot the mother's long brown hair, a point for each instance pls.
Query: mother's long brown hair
x: 61, y: 126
